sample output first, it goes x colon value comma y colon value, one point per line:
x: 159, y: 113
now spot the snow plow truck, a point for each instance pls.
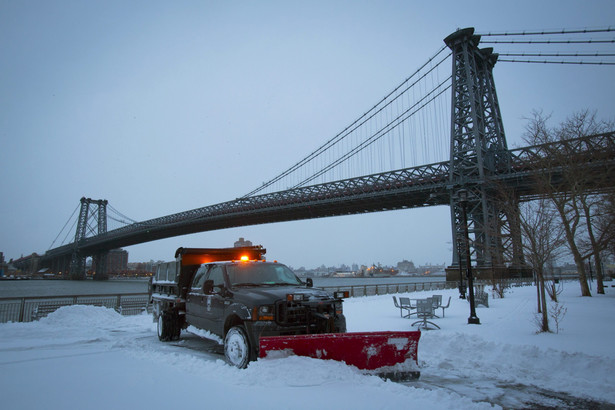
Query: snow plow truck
x: 260, y: 309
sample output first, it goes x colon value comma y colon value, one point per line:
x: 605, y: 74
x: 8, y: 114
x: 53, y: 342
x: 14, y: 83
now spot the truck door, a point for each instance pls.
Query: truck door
x: 196, y: 302
x: 214, y: 312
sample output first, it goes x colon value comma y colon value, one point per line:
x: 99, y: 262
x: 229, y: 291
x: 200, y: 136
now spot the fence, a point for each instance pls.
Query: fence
x: 27, y: 309
x: 393, y: 288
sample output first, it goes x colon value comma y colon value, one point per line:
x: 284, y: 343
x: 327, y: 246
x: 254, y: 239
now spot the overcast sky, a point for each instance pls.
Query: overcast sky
x: 160, y: 107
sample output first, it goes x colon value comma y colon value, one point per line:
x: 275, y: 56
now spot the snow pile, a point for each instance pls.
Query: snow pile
x: 205, y: 333
x: 93, y: 358
x: 505, y: 349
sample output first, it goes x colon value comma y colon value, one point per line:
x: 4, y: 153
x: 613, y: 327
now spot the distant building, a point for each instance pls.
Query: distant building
x: 27, y: 265
x: 117, y: 261
x: 242, y: 242
x: 406, y: 266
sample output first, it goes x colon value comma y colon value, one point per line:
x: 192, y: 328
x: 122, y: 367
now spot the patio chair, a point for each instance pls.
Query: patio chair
x: 445, y: 307
x: 397, y: 306
x: 436, y: 301
x: 404, y: 304
x: 424, y: 311
x: 481, y: 298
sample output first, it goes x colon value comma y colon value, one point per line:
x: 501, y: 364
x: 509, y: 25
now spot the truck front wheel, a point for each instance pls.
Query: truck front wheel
x: 237, y: 347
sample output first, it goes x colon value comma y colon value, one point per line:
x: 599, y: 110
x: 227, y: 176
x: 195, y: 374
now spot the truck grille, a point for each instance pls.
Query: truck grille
x: 297, y: 314
x: 291, y: 314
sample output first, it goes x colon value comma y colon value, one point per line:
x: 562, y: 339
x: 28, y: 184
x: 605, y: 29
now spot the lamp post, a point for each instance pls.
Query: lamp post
x: 463, y: 201
x: 462, y: 288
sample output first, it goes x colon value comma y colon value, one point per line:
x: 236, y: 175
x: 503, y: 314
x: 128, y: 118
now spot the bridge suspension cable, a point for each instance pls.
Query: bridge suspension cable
x: 550, y: 32
x: 125, y: 219
x: 379, y: 121
x: 381, y: 132
x: 557, y: 54
x: 64, y: 227
x: 558, y: 62
x: 91, y: 224
x: 549, y: 42
x: 602, y: 54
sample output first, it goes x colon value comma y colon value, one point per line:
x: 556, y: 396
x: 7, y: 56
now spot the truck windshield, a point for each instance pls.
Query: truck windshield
x: 261, y: 274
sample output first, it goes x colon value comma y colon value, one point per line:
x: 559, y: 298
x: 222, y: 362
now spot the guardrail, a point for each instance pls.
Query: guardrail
x: 27, y: 309
x: 393, y: 288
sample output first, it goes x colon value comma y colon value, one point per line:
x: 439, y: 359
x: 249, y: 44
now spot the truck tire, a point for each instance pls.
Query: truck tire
x: 162, y: 328
x: 168, y: 326
x: 237, y: 349
x: 176, y: 329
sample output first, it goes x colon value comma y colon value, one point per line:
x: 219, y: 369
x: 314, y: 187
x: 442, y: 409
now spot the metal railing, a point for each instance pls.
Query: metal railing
x: 393, y: 288
x: 27, y: 309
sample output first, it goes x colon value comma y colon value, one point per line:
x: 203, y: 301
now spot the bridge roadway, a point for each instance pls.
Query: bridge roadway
x: 426, y: 185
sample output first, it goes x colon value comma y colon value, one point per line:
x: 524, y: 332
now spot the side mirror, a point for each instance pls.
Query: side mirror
x: 309, y: 282
x: 208, y: 287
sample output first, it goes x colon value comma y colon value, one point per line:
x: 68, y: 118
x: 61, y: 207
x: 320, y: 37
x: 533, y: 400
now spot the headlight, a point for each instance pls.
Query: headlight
x: 340, y: 294
x: 296, y: 297
x: 265, y: 312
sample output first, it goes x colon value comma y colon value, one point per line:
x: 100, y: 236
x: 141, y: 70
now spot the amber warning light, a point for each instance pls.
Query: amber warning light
x: 244, y: 258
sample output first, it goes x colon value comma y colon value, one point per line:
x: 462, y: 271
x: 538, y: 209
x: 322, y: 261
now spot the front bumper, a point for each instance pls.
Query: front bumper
x: 263, y: 328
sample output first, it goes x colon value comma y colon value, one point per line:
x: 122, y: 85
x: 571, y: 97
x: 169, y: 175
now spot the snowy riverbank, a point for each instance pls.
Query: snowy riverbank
x: 93, y: 358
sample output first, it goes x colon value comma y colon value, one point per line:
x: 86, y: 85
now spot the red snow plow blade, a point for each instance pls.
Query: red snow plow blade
x: 392, y: 355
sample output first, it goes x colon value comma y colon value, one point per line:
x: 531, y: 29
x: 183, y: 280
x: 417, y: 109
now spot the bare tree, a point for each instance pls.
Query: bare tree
x: 542, y: 239
x: 554, y: 288
x: 608, y: 210
x: 597, y: 219
x: 599, y: 223
x: 568, y: 183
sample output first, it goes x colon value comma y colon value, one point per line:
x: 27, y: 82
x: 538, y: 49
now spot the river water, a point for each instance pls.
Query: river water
x: 32, y: 288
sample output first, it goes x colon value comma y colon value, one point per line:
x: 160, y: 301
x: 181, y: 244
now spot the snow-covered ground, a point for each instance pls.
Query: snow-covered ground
x: 92, y: 358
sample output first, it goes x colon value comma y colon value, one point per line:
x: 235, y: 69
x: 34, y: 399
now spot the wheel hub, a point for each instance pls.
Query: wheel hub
x: 236, y: 348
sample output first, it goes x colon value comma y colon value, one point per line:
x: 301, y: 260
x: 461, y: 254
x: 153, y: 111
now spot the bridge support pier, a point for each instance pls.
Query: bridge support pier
x: 99, y: 263
x: 77, y: 266
x: 98, y: 217
x: 478, y: 152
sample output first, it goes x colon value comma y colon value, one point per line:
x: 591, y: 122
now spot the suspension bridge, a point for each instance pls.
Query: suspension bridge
x: 436, y: 139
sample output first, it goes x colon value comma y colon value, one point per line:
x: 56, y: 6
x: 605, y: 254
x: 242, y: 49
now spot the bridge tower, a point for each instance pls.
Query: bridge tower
x: 478, y: 151
x: 92, y: 221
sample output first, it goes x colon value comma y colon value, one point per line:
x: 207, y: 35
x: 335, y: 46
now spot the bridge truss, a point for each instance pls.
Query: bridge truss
x: 427, y: 185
